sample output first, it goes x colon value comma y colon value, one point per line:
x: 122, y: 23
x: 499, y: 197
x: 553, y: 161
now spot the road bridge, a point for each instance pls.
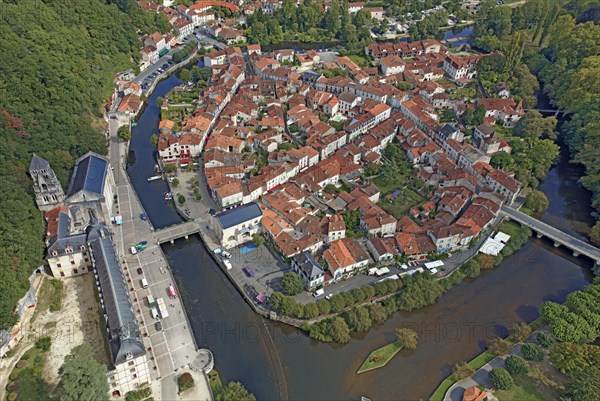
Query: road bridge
x: 171, y: 233
x: 559, y: 237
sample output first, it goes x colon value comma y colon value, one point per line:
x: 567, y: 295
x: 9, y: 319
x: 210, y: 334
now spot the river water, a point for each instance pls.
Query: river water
x: 275, y: 361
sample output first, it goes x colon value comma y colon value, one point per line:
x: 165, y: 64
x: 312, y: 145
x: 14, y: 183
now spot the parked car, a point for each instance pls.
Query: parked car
x: 143, y: 216
x: 217, y: 251
x: 158, y: 326
x: 328, y: 296
x: 140, y: 271
x: 226, y: 255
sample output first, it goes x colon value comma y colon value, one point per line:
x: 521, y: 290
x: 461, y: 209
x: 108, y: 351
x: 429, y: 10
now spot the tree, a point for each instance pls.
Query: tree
x: 81, y: 377
x: 185, y: 75
x: 462, y: 370
x: 378, y: 313
x: 44, y: 343
x: 324, y: 306
x: 486, y: 262
x: 234, y: 391
x: 534, y: 125
x: 406, y: 337
x: 337, y: 303
x: 180, y: 199
x: 570, y: 358
x: 498, y: 346
x: 185, y: 381
x: 175, y: 182
x: 368, y: 290
x: 154, y: 140
x: 502, y: 160
x: 292, y: 284
x: 532, y: 352
x: 124, y: 133
x: 595, y: 234
x: 472, y: 268
x: 501, y: 379
x: 159, y: 101
x: 544, y: 340
x: 516, y: 365
x: 311, y: 311
x: 258, y: 240
x: 358, y: 319
x: 584, y: 385
x: 536, y: 201
x: 358, y: 295
x: 520, y: 331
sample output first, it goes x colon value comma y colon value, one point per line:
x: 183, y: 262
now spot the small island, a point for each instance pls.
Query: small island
x: 405, y: 338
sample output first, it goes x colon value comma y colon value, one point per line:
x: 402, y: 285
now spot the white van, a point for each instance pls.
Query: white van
x: 144, y: 283
x: 133, y: 250
x: 155, y: 314
x: 318, y: 292
x: 227, y: 264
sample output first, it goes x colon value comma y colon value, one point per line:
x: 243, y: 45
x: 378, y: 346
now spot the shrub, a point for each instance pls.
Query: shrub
x: 532, y: 352
x: 139, y: 394
x: 12, y: 396
x: 501, y: 379
x: 498, y: 346
x: 516, y: 365
x: 462, y: 370
x: 544, y: 340
x: 185, y: 381
x: 44, y: 343
x: 520, y: 331
x: 14, y: 376
x: 21, y: 364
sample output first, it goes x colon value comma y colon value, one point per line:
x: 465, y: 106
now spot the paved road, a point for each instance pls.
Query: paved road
x: 555, y: 234
x: 172, y: 348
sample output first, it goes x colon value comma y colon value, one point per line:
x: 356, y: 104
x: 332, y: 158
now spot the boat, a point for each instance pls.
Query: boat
x: 168, y: 196
x: 154, y: 178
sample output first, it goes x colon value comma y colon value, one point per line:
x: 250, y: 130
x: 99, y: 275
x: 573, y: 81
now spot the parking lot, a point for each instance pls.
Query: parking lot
x: 268, y: 269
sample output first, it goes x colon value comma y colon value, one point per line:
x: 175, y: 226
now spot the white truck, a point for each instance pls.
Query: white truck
x: 162, y: 308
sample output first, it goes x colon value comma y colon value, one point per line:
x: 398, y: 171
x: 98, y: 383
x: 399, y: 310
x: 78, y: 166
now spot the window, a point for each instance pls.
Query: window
x: 131, y: 363
x: 62, y: 274
x: 132, y: 370
x: 58, y: 265
x: 72, y: 262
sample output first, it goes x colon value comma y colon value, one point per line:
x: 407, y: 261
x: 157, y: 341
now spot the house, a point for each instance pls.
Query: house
x: 392, y: 65
x: 461, y: 68
x: 506, y: 111
x: 473, y: 393
x: 238, y: 225
x: 502, y: 90
x: 345, y: 256
x: 382, y: 249
x: 254, y: 49
x: 229, y: 194
x: 375, y: 12
x: 414, y: 246
x: 307, y: 267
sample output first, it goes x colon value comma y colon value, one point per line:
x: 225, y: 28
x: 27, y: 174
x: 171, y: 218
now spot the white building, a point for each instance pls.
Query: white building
x: 238, y: 225
x: 306, y: 266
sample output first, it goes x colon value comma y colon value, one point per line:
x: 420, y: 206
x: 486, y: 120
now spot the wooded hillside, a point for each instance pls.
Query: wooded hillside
x: 57, y: 65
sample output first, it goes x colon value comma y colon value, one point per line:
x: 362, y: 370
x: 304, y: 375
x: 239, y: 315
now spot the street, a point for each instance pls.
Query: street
x: 172, y: 348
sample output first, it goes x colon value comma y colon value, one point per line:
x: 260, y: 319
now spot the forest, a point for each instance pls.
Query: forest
x: 57, y: 68
x: 559, y: 42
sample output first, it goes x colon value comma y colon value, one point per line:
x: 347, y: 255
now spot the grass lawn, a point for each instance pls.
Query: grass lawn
x: 407, y: 199
x: 475, y: 363
x: 25, y: 379
x: 215, y: 380
x: 50, y: 297
x: 527, y: 389
x: 380, y: 357
x: 481, y: 360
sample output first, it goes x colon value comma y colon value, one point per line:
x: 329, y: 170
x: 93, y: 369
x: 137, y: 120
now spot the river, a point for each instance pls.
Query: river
x: 275, y: 361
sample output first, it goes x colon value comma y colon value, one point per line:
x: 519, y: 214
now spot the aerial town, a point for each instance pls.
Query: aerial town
x: 305, y: 170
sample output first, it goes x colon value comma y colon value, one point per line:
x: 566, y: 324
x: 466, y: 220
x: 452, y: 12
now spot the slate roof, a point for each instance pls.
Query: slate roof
x: 123, y: 331
x: 239, y: 215
x: 37, y: 163
x: 308, y: 264
x: 89, y: 175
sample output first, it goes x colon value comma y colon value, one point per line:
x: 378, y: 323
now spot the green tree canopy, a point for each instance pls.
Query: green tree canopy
x: 407, y: 337
x: 501, y: 379
x: 292, y: 284
x: 234, y: 391
x: 81, y: 377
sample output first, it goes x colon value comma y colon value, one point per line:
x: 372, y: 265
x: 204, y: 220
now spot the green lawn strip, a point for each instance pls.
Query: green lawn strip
x: 403, y: 202
x: 215, y: 380
x: 380, y: 357
x: 525, y: 389
x: 475, y: 363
